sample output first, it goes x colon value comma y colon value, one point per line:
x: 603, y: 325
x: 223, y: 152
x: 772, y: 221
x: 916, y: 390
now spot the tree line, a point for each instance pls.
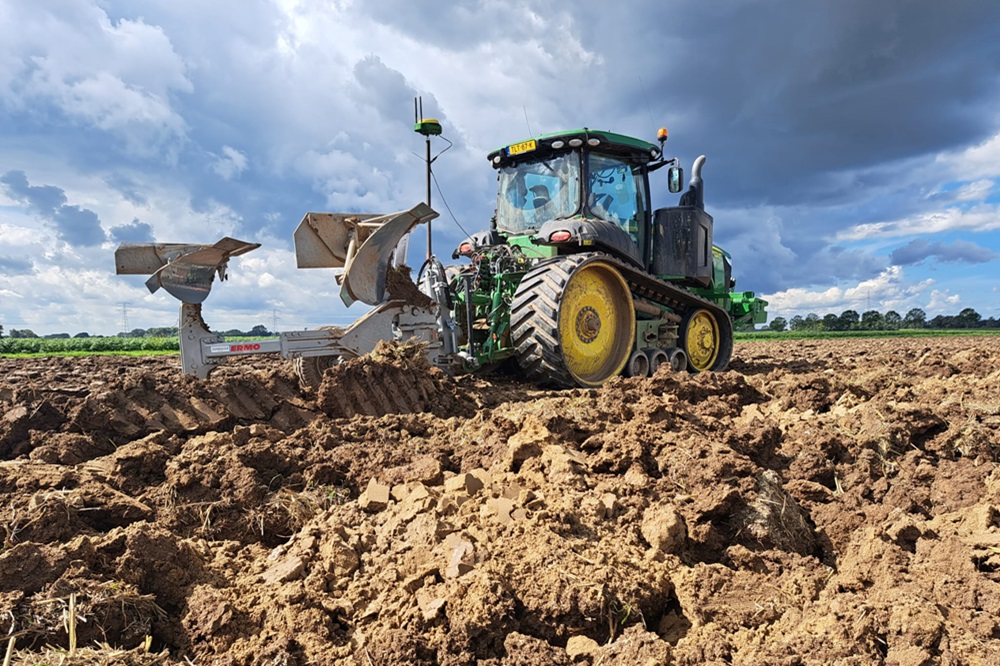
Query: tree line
x: 848, y: 320
x: 258, y: 331
x: 873, y: 320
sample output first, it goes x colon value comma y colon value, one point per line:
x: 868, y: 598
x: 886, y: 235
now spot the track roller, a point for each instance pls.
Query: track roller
x: 638, y: 364
x: 657, y: 357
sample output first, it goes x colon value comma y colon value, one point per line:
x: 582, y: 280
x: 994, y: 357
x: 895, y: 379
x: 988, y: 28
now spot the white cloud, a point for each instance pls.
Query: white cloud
x: 267, y: 279
x: 231, y: 163
x: 977, y: 162
x: 351, y: 182
x: 975, y: 191
x: 973, y: 170
x: 67, y: 292
x: 984, y: 217
x: 943, y: 301
x: 317, y: 95
x: 75, y: 288
x: 118, y: 77
x: 19, y: 235
x: 888, y: 291
x: 539, y: 63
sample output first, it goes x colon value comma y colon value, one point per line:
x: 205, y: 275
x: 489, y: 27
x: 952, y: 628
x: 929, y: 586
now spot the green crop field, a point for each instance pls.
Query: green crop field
x: 15, y: 347
x: 825, y: 335
x: 34, y: 347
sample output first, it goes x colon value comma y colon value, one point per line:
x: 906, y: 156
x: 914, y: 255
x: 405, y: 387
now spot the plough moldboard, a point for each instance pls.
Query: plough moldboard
x: 361, y: 247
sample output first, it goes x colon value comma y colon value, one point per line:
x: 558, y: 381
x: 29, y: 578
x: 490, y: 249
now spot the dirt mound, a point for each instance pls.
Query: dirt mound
x: 400, y: 286
x: 110, y: 401
x: 393, y: 379
x: 821, y: 502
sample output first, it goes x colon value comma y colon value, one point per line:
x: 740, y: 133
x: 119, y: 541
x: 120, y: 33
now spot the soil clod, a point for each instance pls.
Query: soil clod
x: 822, y: 502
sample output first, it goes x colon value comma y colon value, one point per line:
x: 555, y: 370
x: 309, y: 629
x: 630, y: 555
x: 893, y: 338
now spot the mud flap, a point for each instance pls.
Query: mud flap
x: 362, y: 245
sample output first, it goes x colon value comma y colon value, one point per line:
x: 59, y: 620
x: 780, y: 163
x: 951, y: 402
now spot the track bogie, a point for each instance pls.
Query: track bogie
x: 564, y: 337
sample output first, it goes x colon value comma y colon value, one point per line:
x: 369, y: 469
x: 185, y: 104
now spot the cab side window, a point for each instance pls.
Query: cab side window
x: 616, y: 193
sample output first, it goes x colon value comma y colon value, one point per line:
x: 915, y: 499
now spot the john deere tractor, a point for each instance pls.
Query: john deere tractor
x: 577, y: 278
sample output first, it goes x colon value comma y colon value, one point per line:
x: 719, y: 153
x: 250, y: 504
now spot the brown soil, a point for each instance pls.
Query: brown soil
x: 400, y: 286
x: 821, y: 502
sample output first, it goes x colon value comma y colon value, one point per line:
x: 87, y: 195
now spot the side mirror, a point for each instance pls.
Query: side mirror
x: 675, y: 179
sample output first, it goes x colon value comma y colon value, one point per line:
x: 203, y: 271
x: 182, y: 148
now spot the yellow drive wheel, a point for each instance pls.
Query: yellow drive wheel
x: 573, y: 322
x: 596, y: 323
x: 702, y: 340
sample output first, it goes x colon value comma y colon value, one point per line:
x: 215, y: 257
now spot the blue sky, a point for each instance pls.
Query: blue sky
x: 853, y: 147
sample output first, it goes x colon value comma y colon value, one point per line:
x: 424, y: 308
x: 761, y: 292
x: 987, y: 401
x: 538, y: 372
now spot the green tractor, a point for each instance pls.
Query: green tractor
x: 577, y: 278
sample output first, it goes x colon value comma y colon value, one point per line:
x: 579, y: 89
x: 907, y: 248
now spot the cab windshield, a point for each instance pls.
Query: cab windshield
x: 534, y: 192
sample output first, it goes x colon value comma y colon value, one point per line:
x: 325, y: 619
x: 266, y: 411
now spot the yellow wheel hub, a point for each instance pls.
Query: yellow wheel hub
x: 702, y: 340
x: 596, y: 323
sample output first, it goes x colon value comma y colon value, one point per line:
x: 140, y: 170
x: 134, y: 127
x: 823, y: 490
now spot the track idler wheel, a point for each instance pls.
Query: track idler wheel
x: 707, y: 342
x: 573, y: 322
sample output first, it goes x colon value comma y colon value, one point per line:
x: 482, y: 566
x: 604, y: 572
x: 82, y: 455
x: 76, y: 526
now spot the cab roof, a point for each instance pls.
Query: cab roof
x: 619, y: 144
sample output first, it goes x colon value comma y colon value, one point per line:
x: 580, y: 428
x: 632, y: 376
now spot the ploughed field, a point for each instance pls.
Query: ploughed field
x: 832, y: 501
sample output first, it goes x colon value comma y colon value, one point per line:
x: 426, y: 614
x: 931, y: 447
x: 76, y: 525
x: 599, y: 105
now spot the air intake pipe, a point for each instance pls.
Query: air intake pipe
x: 695, y: 195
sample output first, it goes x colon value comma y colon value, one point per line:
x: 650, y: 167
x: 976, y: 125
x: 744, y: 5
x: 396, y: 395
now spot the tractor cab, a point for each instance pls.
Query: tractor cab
x: 581, y: 189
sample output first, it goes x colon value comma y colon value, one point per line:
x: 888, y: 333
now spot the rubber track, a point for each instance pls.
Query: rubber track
x: 535, y: 310
x: 534, y: 320
x: 681, y: 301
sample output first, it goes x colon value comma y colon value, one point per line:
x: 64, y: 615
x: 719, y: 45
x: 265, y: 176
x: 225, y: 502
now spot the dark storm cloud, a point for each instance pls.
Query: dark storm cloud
x: 784, y: 94
x: 463, y: 25
x: 78, y: 226
x: 382, y: 87
x: 127, y: 187
x: 825, y: 112
x: 812, y: 268
x: 133, y: 232
x: 43, y: 199
x: 958, y: 252
x: 75, y: 225
x: 815, y: 116
x: 15, y: 265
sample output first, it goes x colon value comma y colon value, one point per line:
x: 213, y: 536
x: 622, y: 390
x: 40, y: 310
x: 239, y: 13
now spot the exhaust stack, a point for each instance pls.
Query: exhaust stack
x: 695, y: 195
